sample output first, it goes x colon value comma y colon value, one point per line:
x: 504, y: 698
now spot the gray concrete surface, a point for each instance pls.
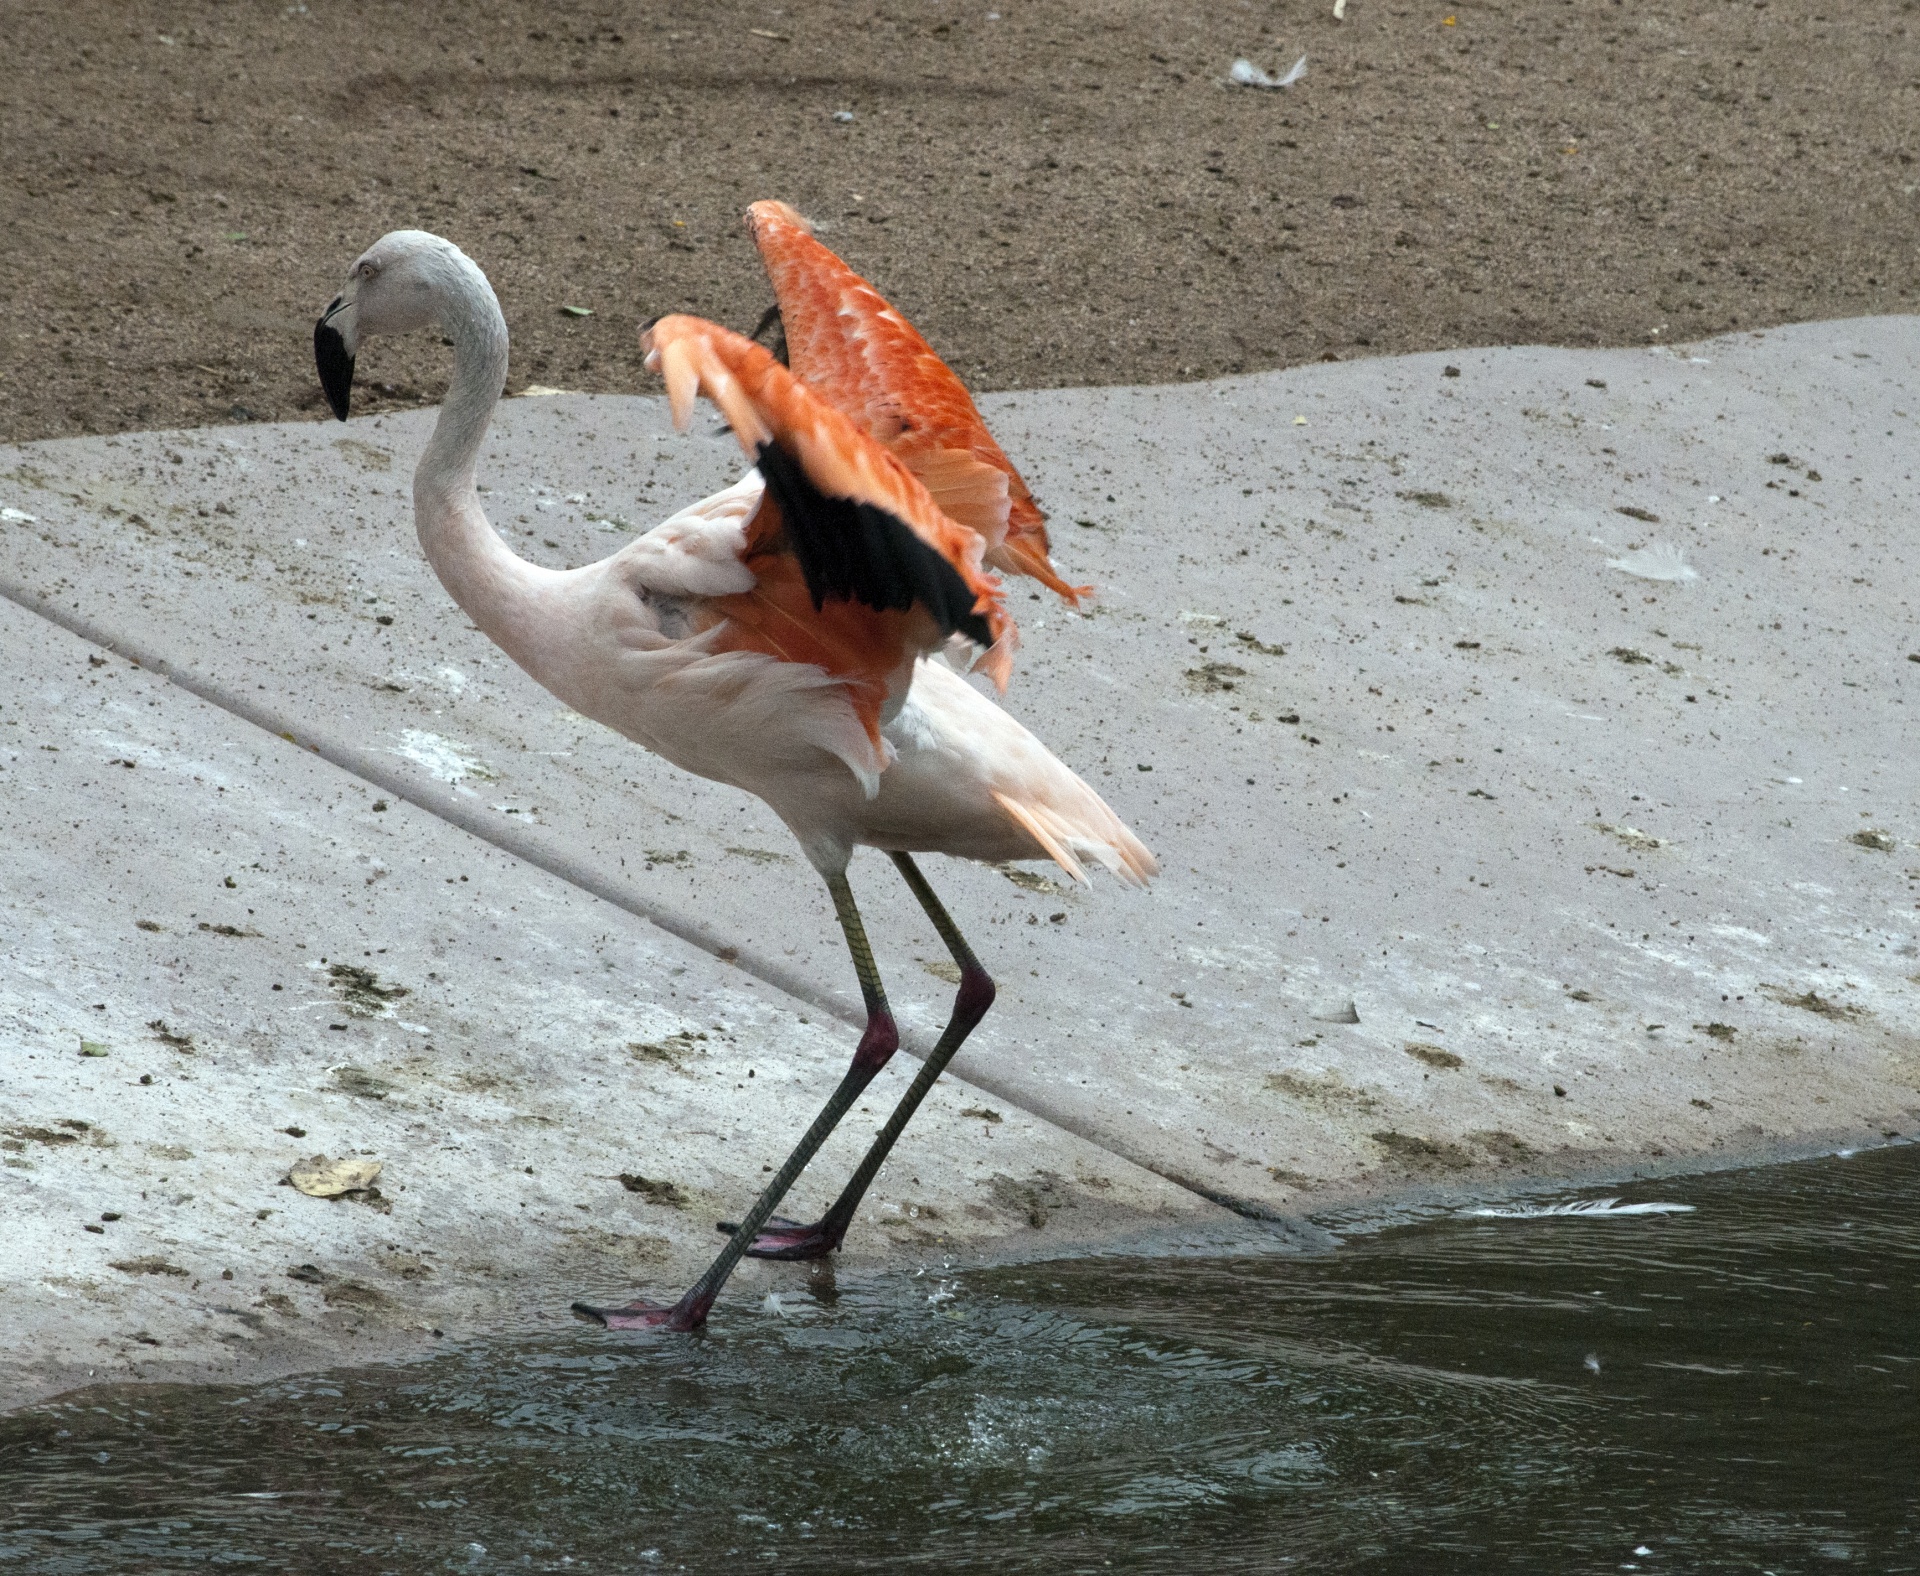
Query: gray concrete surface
x: 269, y: 960
x: 1454, y: 815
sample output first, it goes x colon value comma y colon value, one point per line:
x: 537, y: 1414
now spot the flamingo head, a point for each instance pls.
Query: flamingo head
x: 395, y: 286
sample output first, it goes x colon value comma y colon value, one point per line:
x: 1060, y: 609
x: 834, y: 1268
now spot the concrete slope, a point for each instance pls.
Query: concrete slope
x: 221, y: 956
x: 1478, y: 849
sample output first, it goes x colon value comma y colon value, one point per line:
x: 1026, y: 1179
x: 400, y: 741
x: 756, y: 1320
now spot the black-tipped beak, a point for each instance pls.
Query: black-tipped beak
x: 335, y: 364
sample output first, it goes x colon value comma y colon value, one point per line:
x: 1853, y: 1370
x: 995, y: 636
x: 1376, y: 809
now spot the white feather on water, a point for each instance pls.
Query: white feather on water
x: 1582, y: 1207
x: 1247, y: 75
x: 1656, y: 561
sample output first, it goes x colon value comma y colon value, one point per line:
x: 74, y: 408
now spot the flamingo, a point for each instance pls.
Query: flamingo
x: 787, y: 635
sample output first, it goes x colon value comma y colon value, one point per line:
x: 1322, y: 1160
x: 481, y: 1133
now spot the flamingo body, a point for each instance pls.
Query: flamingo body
x: 786, y: 635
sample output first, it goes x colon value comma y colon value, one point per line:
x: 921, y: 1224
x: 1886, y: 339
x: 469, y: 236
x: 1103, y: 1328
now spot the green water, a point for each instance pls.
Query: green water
x: 1731, y: 1389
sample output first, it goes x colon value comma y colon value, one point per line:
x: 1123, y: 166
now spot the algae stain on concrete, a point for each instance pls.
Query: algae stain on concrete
x: 1036, y: 1198
x: 655, y: 1190
x: 1031, y: 880
x: 1632, y: 836
x: 361, y: 1084
x: 361, y: 991
x: 1502, y: 1147
x: 760, y: 856
x: 606, y: 1250
x: 369, y: 457
x: 1812, y: 1001
x: 170, y: 1037
x: 1424, y: 1153
x: 147, y: 1264
x: 1324, y: 1089
x: 673, y: 1050
x: 1209, y: 677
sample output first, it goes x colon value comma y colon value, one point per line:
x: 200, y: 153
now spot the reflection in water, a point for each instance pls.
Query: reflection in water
x: 1727, y: 1389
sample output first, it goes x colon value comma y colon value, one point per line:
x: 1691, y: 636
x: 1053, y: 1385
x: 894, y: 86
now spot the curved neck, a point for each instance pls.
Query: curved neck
x: 478, y: 569
x: 469, y: 315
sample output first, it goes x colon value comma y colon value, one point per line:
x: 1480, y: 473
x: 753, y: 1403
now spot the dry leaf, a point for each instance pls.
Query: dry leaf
x: 320, y: 1177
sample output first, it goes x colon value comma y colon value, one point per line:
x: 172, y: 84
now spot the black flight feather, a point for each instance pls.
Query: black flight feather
x: 858, y: 552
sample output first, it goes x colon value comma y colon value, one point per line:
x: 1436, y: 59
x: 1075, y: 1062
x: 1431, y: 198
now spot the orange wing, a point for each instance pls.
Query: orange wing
x: 857, y: 569
x: 866, y: 360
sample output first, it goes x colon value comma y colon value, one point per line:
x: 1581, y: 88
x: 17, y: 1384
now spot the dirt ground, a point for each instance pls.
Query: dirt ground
x: 1058, y: 194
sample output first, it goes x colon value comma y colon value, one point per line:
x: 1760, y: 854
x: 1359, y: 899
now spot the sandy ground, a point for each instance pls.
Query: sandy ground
x: 1060, y: 195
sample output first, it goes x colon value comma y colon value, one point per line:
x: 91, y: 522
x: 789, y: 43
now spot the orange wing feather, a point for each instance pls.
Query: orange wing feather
x: 869, y: 648
x: 860, y: 355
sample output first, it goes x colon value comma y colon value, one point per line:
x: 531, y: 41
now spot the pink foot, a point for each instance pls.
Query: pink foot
x: 786, y: 1239
x: 689, y: 1313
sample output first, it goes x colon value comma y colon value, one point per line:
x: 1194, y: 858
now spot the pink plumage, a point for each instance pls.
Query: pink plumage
x: 787, y: 635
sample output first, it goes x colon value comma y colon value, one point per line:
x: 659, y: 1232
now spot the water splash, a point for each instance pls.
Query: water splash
x: 1583, y: 1207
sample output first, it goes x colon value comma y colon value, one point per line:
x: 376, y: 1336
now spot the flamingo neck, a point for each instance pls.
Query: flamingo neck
x: 489, y: 581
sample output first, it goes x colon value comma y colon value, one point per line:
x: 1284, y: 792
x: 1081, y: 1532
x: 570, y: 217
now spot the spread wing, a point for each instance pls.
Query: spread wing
x: 852, y: 348
x: 855, y: 568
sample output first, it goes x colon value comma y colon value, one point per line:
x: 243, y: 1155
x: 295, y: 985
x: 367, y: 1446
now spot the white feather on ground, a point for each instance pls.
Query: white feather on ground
x: 1583, y: 1207
x: 1247, y: 75
x: 1656, y: 561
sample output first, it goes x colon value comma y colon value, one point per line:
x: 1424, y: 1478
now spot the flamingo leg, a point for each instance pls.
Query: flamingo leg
x: 877, y: 1045
x: 785, y: 1239
x: 769, y: 319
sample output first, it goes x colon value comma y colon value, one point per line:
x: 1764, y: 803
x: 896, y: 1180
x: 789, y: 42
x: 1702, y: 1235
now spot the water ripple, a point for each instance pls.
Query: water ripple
x: 1730, y: 1388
